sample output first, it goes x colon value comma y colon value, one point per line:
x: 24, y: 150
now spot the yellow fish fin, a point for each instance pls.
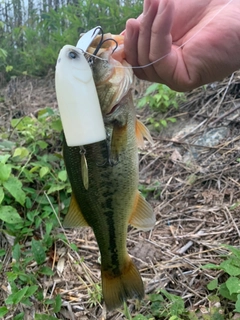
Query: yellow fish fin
x: 84, y: 168
x: 142, y: 216
x: 126, y: 285
x: 142, y: 132
x: 118, y: 141
x: 74, y: 217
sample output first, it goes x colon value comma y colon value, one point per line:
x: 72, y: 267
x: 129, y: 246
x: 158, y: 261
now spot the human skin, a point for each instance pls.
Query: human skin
x: 207, y: 30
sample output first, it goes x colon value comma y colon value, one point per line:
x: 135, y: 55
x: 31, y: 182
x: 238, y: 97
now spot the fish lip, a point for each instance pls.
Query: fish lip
x: 113, y: 109
x: 116, y: 105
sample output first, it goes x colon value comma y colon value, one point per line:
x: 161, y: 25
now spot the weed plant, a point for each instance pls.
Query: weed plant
x: 160, y: 98
x: 33, y: 190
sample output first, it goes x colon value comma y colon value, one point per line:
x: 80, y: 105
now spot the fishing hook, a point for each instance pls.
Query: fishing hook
x: 101, y: 42
x: 111, y: 39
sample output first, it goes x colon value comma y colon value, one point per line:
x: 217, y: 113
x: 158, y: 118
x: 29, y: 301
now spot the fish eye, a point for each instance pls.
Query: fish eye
x: 72, y: 55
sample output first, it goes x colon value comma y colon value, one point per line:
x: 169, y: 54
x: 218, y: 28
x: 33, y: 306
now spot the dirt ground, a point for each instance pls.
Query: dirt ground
x: 193, y: 188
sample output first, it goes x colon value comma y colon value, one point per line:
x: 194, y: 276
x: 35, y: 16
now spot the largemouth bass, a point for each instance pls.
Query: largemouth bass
x: 104, y: 175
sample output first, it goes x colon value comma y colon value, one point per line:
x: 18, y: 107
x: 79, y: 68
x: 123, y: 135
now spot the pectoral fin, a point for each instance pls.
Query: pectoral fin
x: 141, y: 133
x: 142, y: 216
x: 118, y: 141
x: 74, y: 217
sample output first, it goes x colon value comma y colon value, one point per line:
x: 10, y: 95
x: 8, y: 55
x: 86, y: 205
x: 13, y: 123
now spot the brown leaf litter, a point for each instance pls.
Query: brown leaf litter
x: 196, y: 201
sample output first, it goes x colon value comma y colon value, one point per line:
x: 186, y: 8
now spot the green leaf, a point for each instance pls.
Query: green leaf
x: 229, y: 268
x: 16, y: 252
x: 43, y: 171
x: 2, y: 252
x: 3, y: 311
x: 21, y: 152
x: 12, y: 276
x: 74, y: 247
x: 9, y: 68
x: 14, y: 187
x: 31, y: 290
x: 233, y: 285
x: 38, y: 251
x: 211, y: 266
x: 62, y: 175
x: 58, y: 303
x: 139, y: 317
x: 223, y: 290
x: 46, y: 270
x: 10, y: 215
x: 213, y: 284
x: 173, y: 120
x: 237, y: 305
x: 163, y: 123
x: 6, y: 145
x: 235, y: 251
x: 55, y: 187
x: 5, y: 171
x: 16, y: 297
x: 19, y: 316
x: 3, y: 54
x: 57, y: 125
x: 42, y: 144
x: 44, y: 113
x: 153, y: 87
x: 142, y: 102
x: 1, y: 195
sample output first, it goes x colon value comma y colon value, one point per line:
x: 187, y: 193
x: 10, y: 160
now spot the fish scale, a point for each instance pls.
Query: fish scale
x: 110, y: 199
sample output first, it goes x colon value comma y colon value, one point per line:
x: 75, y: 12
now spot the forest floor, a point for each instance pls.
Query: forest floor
x: 193, y: 187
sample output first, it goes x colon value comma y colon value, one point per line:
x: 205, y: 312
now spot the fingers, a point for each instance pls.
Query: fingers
x: 161, y: 50
x: 161, y: 39
x: 131, y: 41
x: 148, y: 38
x: 144, y: 39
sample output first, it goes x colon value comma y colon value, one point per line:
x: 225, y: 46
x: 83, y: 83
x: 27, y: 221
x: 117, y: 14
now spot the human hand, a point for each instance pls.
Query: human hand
x: 200, y: 42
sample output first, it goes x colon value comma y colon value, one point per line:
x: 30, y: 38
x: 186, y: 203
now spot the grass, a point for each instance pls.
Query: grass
x: 46, y: 271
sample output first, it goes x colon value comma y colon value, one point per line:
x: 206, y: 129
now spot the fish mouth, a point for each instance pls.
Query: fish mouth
x: 113, y: 76
x: 114, y: 108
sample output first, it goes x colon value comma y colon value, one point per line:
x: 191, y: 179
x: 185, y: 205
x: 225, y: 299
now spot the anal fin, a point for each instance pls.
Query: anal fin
x: 142, y: 216
x: 74, y: 217
x: 141, y: 133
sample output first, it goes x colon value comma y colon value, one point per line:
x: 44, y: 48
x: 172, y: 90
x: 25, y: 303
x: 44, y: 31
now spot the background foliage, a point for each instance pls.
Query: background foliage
x: 33, y: 32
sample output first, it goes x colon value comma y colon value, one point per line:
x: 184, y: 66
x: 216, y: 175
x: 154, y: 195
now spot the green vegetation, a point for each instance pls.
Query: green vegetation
x: 165, y: 306
x: 32, y: 37
x: 33, y: 186
x: 160, y: 98
x: 229, y: 289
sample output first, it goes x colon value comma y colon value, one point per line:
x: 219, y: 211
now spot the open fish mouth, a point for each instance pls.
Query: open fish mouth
x: 113, y: 75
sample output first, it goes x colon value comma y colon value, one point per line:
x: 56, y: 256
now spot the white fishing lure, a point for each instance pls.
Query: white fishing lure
x: 77, y: 96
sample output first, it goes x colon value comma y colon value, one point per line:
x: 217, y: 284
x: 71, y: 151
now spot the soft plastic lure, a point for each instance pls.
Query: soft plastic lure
x: 77, y: 96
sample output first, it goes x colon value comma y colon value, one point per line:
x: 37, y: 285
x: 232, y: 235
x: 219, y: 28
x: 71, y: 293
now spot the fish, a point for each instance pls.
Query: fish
x: 104, y: 175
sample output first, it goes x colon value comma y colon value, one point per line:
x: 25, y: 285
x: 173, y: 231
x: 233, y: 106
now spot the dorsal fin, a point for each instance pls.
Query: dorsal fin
x: 142, y: 132
x: 74, y: 217
x: 142, y: 216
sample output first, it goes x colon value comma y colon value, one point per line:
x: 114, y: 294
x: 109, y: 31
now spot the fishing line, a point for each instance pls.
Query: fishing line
x: 178, y: 48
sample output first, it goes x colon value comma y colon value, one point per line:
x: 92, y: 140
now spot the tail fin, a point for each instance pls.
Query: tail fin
x: 117, y: 289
